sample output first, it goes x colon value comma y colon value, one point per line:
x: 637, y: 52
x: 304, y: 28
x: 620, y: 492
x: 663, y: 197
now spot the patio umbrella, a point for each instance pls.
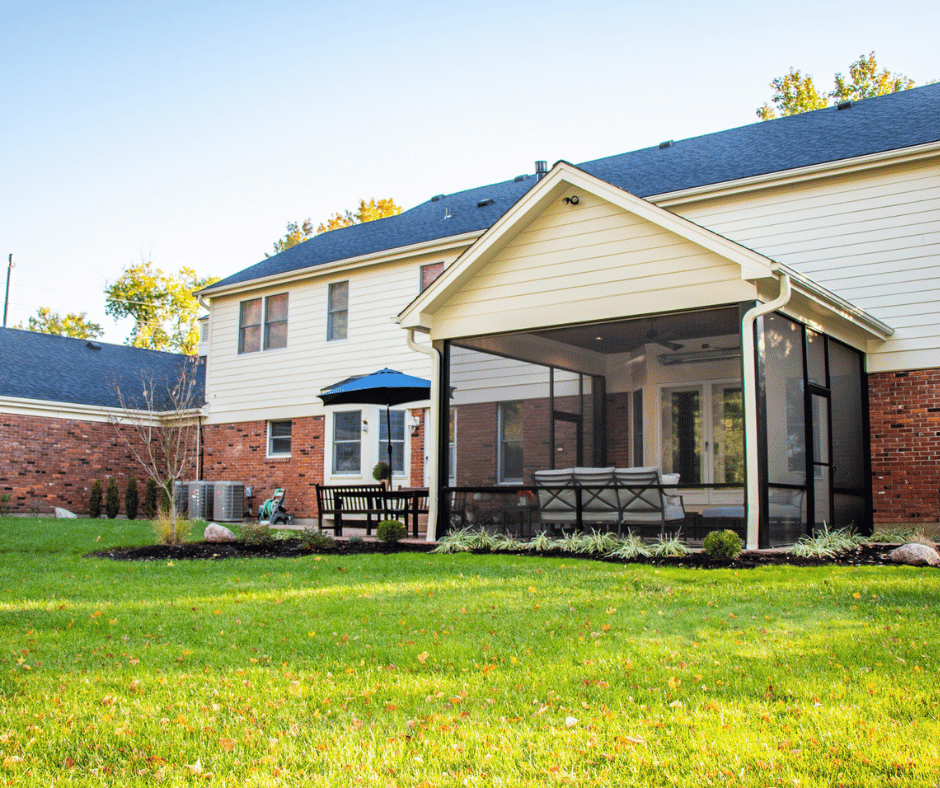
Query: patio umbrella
x: 385, y: 387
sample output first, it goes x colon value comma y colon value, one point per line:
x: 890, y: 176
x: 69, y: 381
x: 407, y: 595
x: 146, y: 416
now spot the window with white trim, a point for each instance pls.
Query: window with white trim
x: 398, y: 439
x: 510, y: 443
x: 347, y: 442
x: 279, y: 438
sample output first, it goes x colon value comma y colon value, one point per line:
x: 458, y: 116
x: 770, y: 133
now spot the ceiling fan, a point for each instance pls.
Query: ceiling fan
x: 654, y: 336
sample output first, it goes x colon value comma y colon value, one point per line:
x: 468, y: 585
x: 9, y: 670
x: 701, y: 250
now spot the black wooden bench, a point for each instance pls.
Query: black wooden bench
x: 371, y: 500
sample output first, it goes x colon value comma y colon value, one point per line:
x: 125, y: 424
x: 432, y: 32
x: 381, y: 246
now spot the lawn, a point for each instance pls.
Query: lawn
x: 451, y: 670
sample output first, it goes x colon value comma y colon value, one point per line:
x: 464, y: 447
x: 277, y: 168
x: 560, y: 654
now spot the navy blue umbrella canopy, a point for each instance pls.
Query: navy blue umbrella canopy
x: 385, y: 387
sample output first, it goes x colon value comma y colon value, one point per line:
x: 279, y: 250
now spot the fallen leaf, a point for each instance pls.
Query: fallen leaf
x: 423, y: 657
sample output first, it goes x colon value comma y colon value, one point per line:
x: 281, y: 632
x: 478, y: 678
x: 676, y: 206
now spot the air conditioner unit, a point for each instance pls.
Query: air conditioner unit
x: 200, y: 500
x: 181, y: 497
x: 229, y: 502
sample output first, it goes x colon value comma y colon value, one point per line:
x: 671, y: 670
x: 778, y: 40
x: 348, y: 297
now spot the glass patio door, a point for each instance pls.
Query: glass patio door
x: 568, y: 451
x: 682, y: 433
x: 821, y: 484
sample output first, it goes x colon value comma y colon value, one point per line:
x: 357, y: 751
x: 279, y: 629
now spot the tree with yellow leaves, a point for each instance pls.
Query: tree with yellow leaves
x: 367, y: 212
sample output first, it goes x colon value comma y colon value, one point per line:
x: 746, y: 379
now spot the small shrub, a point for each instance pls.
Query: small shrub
x: 391, y: 531
x: 317, y: 541
x: 112, y: 500
x: 165, y: 497
x: 5, y: 507
x: 356, y: 540
x: 168, y: 533
x: 382, y: 471
x: 150, y: 499
x: 722, y: 545
x: 256, y: 534
x: 131, y: 499
x: 94, y: 501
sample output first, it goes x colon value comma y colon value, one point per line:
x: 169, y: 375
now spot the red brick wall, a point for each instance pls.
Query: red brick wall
x: 905, y: 445
x: 417, y: 448
x: 237, y: 452
x: 48, y: 462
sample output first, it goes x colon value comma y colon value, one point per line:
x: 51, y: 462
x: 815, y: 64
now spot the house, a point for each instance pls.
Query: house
x: 63, y: 415
x: 755, y: 310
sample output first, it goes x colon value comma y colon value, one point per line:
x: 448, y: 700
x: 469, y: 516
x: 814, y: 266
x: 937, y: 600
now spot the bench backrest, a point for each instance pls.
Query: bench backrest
x: 355, y: 496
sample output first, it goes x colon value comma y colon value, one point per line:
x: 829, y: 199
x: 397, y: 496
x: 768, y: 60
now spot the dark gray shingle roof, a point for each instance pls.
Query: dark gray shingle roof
x: 61, y: 369
x: 898, y: 120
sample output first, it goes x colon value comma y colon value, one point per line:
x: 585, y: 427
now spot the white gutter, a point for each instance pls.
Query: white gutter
x: 434, y: 431
x: 749, y: 372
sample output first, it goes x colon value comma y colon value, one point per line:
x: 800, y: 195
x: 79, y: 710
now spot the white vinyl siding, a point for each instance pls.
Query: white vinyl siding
x: 284, y: 385
x: 871, y: 237
x: 588, y: 263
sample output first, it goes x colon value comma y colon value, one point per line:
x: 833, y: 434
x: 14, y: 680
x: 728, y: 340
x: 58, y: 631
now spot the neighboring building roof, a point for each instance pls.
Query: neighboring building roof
x: 83, y: 372
x: 892, y: 122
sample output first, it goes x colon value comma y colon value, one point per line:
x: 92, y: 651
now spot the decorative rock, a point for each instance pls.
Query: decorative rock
x: 915, y: 555
x: 218, y: 533
x: 65, y: 514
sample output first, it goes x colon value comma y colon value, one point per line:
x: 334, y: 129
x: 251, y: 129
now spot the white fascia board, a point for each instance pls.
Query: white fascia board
x: 98, y: 413
x: 837, y: 305
x: 437, y: 246
x: 797, y: 175
x: 419, y: 313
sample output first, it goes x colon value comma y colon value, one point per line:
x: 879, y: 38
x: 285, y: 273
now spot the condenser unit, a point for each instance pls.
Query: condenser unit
x: 229, y: 502
x: 200, y: 500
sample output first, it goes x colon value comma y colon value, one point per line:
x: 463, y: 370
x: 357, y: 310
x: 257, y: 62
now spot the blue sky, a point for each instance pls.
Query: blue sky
x: 190, y: 133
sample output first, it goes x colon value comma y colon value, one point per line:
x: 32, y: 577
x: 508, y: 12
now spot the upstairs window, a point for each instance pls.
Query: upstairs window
x: 269, y: 314
x: 279, y: 438
x: 337, y: 323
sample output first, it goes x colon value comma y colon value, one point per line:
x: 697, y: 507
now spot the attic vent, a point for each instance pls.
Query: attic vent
x: 843, y: 105
x: 93, y: 346
x: 484, y: 203
x: 438, y: 197
x: 667, y: 144
x: 519, y: 178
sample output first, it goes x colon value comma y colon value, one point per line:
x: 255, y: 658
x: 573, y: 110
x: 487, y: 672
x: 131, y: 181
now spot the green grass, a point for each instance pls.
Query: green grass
x: 451, y: 670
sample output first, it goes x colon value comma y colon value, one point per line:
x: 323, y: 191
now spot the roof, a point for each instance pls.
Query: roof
x: 876, y: 125
x: 81, y: 372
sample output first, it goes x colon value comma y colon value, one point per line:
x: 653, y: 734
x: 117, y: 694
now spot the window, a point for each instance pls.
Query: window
x: 398, y: 439
x: 249, y: 326
x: 347, y: 450
x: 429, y: 273
x: 279, y: 438
x: 510, y: 442
x: 275, y: 322
x: 337, y: 324
x: 273, y: 309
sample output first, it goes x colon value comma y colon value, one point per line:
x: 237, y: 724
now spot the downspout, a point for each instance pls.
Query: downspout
x: 434, y: 429
x: 749, y: 374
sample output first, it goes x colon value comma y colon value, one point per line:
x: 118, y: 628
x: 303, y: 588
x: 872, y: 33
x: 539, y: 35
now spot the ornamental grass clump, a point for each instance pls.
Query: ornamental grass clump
x: 629, y: 547
x: 827, y: 544
x: 459, y: 541
x: 170, y: 530
x: 391, y: 531
x: 722, y: 545
x: 667, y: 546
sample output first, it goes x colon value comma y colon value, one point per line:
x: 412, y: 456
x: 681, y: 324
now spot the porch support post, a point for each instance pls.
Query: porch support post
x: 434, y: 428
x: 748, y: 367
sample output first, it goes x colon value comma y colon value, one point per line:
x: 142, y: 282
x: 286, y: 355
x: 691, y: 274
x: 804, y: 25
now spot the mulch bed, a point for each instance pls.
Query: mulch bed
x: 871, y: 555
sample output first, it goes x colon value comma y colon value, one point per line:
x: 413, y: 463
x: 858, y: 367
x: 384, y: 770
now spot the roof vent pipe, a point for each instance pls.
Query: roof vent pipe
x: 541, y: 169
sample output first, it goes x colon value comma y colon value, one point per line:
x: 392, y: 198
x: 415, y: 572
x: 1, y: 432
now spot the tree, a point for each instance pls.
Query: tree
x: 112, y: 501
x: 160, y: 426
x: 164, y: 309
x: 150, y: 499
x: 74, y: 324
x: 795, y: 93
x: 131, y: 499
x: 367, y: 212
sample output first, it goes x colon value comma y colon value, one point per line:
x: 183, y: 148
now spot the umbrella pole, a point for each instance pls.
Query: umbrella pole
x: 388, y: 442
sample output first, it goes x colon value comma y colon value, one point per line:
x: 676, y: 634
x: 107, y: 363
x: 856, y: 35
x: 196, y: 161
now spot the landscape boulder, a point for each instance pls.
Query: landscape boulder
x: 64, y: 514
x: 915, y: 555
x: 218, y: 533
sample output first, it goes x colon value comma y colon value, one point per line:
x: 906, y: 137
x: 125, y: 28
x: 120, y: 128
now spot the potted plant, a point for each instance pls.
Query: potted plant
x: 382, y: 472
x: 526, y: 497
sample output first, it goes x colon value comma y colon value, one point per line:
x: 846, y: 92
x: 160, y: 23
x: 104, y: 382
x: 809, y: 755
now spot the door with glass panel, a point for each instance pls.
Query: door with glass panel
x: 703, y: 438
